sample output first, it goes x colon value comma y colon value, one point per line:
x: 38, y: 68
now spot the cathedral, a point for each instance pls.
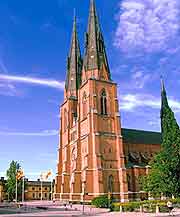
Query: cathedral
x: 96, y: 156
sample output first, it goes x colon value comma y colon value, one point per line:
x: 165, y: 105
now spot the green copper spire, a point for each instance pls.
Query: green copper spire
x: 95, y: 53
x: 74, y: 63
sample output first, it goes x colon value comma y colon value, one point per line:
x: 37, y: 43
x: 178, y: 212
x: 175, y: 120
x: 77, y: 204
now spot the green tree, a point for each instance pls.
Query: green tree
x: 11, y: 180
x: 164, y: 176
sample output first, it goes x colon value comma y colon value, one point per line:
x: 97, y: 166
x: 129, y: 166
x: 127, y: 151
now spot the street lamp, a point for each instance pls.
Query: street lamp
x: 23, y: 192
x: 109, y: 198
x: 83, y: 196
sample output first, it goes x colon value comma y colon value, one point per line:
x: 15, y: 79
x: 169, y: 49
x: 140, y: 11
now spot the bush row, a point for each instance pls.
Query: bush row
x: 146, y: 205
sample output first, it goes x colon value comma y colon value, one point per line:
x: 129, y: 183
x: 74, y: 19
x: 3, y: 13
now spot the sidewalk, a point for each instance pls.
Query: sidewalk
x: 138, y: 214
x: 58, y: 209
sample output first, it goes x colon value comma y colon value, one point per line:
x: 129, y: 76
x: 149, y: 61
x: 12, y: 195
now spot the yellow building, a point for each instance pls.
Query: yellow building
x: 34, y: 189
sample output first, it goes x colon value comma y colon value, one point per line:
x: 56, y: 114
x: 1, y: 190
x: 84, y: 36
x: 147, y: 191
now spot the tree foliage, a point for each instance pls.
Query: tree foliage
x: 11, y: 180
x: 164, y: 176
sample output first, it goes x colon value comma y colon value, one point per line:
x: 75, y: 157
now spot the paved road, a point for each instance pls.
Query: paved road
x: 79, y: 214
x: 58, y: 210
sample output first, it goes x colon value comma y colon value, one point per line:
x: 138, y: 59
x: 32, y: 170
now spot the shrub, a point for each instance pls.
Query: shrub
x: 127, y: 207
x: 148, y: 205
x: 101, y: 202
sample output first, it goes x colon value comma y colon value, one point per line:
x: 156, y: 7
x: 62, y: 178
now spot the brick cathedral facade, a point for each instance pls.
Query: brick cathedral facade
x: 96, y: 156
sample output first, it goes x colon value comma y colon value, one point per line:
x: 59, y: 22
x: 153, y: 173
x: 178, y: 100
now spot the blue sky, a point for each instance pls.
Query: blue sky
x: 142, y: 40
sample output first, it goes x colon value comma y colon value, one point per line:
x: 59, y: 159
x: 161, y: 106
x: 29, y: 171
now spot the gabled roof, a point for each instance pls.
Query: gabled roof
x: 38, y: 183
x: 141, y: 137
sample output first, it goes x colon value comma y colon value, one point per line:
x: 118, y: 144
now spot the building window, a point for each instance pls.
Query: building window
x: 45, y: 189
x: 84, y: 105
x: 65, y: 119
x: 103, y: 103
x: 110, y: 183
x: 73, y: 159
x: 33, y: 189
x: 74, y: 117
x: 129, y: 182
x: 45, y: 195
x: 40, y: 189
x: 33, y: 195
x: 73, y: 136
x: 39, y: 195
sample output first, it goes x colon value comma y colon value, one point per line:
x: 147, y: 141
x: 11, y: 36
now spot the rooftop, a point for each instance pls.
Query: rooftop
x: 141, y: 136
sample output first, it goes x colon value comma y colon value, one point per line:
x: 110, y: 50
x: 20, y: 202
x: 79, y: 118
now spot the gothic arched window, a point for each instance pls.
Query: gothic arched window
x: 73, y: 158
x: 129, y: 182
x: 103, y: 103
x: 65, y: 119
x: 84, y: 105
x: 110, y: 183
x: 100, y: 43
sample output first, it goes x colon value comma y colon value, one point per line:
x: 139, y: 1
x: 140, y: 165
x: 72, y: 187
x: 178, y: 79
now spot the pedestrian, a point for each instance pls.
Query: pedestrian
x: 71, y: 205
x: 170, y: 207
x: 65, y: 206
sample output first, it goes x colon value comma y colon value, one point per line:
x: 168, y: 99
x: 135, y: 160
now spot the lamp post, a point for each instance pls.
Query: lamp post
x: 52, y: 189
x: 16, y: 188
x: 83, y: 202
x: 84, y: 194
x: 23, y: 189
x: 109, y: 198
x: 41, y: 190
x: 84, y: 189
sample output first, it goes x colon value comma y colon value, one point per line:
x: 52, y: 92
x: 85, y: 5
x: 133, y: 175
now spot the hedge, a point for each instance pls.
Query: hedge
x: 148, y: 205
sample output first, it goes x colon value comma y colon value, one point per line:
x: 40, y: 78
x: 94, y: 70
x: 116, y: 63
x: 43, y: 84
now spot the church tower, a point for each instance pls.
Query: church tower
x: 91, y: 157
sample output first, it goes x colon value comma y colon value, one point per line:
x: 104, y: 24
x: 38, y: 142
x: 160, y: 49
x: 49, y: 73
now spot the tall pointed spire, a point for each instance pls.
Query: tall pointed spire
x: 74, y: 63
x: 95, y: 53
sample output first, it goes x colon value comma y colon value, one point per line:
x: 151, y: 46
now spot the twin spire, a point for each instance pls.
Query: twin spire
x: 95, y: 54
x: 74, y: 63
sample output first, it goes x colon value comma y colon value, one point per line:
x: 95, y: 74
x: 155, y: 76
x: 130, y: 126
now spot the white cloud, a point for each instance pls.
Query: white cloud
x: 130, y: 102
x: 137, y: 74
x: 140, y: 78
x: 155, y: 123
x: 2, y: 66
x: 8, y: 89
x: 31, y: 80
x: 173, y: 50
x: 147, y: 25
x: 38, y: 134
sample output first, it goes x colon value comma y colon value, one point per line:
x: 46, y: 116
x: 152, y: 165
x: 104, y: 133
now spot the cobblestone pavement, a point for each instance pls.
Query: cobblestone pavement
x: 58, y: 209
